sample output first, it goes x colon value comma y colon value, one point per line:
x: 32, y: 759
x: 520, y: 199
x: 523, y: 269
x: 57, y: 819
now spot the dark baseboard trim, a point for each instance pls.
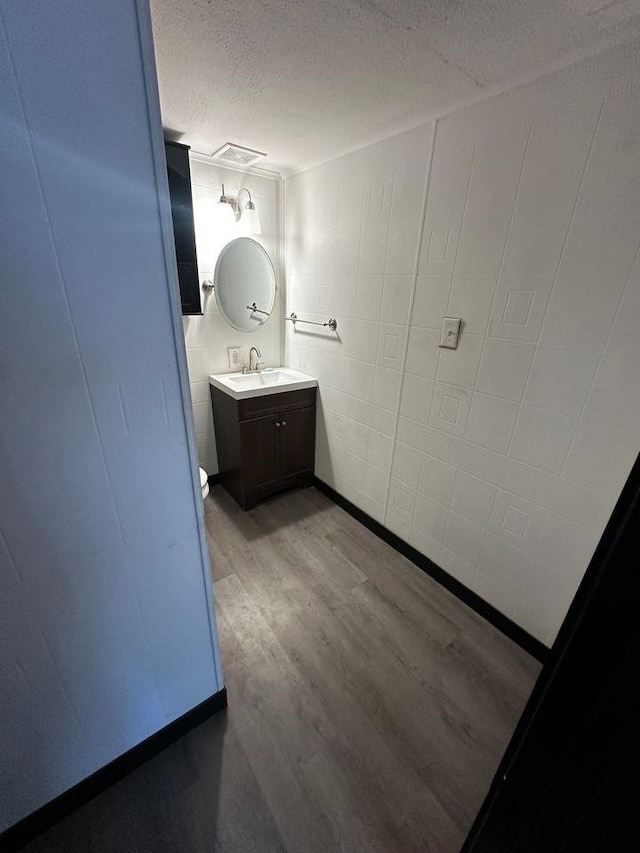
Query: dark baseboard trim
x: 46, y: 816
x: 509, y: 628
x: 214, y: 479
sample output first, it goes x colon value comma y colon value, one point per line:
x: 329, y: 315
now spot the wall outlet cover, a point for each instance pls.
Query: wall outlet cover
x: 450, y: 332
x: 234, y: 356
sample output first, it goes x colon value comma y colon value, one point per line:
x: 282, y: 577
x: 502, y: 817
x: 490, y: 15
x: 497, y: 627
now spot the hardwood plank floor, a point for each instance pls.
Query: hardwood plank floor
x: 368, y: 707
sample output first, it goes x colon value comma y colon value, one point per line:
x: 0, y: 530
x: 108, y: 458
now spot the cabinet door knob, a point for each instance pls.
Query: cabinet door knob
x: 284, y: 423
x: 277, y: 423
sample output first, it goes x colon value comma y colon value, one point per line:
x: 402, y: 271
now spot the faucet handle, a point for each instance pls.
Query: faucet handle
x: 259, y: 366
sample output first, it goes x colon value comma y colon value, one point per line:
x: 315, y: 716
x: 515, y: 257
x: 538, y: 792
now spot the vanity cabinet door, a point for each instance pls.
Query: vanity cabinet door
x: 297, y: 442
x: 260, y: 451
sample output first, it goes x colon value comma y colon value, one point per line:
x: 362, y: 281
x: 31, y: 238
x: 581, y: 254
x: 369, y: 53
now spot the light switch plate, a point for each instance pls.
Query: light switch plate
x: 450, y: 332
x: 234, y: 356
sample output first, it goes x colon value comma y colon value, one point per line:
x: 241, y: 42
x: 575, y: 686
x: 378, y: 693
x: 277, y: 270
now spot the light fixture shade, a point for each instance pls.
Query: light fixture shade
x: 207, y: 231
x: 251, y: 220
x: 225, y: 217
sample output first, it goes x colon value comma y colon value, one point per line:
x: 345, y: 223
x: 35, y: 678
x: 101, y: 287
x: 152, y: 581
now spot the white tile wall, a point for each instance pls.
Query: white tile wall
x: 379, y: 450
x: 491, y: 421
x: 391, y: 345
x: 597, y: 297
x: 430, y: 301
x: 519, y: 305
x: 456, y: 567
x: 599, y: 457
x: 603, y: 235
x: 406, y: 464
x: 463, y: 538
x: 106, y: 632
x: 504, y: 564
x: 615, y: 394
x: 402, y: 501
x: 208, y: 337
x: 422, y: 352
x: 449, y: 408
x: 460, y: 366
x: 473, y: 498
x: 429, y: 517
x: 560, y: 378
x: 386, y: 388
x: 436, y: 479
x: 516, y: 521
x: 501, y: 459
x: 471, y: 297
x: 504, y: 368
x: 542, y: 438
x: 396, y: 299
x: 417, y: 395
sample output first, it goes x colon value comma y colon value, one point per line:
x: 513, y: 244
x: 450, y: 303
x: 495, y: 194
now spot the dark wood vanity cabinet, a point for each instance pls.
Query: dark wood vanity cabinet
x: 264, y: 444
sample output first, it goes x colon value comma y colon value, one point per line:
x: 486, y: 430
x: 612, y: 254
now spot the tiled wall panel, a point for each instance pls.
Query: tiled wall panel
x: 106, y: 633
x: 360, y: 367
x: 500, y: 460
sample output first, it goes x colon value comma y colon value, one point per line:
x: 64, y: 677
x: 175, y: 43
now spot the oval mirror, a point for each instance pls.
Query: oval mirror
x: 245, y: 284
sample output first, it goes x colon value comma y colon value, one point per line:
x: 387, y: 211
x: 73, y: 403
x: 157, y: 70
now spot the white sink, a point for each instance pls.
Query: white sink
x: 272, y: 380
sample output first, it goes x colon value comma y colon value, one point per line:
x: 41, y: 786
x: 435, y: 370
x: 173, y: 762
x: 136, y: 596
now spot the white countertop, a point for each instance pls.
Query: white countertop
x: 271, y: 380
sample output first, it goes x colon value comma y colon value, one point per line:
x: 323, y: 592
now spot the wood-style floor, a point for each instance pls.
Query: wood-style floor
x: 368, y: 708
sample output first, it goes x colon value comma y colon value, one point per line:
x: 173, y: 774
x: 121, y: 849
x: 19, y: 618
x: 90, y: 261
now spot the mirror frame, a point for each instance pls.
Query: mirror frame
x: 216, y: 279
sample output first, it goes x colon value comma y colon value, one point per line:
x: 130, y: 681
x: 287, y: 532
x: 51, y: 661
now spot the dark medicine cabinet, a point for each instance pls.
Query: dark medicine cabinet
x: 183, y: 228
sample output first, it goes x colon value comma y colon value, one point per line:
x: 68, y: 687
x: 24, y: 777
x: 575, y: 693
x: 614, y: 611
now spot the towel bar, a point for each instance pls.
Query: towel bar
x: 332, y: 323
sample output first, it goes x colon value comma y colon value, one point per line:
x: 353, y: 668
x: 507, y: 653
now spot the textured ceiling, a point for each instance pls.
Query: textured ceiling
x: 307, y: 80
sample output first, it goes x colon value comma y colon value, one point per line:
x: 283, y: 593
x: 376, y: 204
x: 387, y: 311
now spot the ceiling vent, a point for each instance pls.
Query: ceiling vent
x: 237, y: 154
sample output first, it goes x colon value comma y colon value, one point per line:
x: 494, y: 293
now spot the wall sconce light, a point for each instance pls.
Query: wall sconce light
x: 249, y: 213
x: 230, y: 211
x: 225, y: 211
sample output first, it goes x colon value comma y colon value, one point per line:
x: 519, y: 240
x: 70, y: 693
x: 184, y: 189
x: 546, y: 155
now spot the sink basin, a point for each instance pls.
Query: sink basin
x: 272, y: 380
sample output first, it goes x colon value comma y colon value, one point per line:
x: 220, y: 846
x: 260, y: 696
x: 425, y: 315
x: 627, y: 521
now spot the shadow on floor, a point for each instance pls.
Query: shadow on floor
x: 297, y: 511
x: 196, y: 795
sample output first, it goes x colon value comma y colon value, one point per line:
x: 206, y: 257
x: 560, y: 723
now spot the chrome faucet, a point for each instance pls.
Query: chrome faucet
x: 258, y: 365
